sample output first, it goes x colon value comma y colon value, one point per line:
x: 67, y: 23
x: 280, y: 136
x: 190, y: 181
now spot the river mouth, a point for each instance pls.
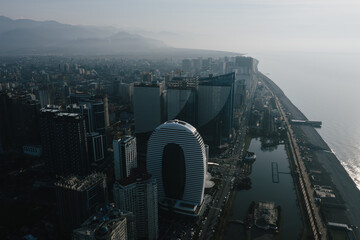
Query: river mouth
x: 266, y: 187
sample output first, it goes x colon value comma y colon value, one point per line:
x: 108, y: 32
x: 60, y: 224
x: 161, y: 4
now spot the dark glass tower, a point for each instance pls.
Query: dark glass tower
x: 64, y: 142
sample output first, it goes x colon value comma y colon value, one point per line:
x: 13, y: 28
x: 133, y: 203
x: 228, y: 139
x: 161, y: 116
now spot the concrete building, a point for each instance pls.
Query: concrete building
x: 63, y: 138
x: 97, y: 110
x: 96, y: 143
x: 46, y: 95
x: 138, y: 194
x: 126, y: 91
x: 176, y: 158
x: 19, y: 121
x: 187, y: 65
x: 125, y: 156
x: 94, y: 114
x: 108, y: 223
x: 77, y: 198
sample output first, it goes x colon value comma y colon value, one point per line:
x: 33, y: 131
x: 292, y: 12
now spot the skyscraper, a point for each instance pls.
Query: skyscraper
x: 138, y: 194
x: 187, y: 65
x: 176, y: 158
x: 77, y: 197
x: 182, y: 99
x: 125, y: 156
x: 47, y: 136
x: 95, y: 108
x: 149, y: 102
x: 149, y: 106
x: 19, y: 120
x: 96, y: 146
x: 216, y: 108
x: 63, y: 138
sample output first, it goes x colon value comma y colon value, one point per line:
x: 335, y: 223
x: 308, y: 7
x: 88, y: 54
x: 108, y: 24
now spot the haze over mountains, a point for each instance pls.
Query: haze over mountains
x: 25, y: 37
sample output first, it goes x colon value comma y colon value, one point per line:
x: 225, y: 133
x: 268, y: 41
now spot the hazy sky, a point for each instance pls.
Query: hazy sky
x: 234, y: 25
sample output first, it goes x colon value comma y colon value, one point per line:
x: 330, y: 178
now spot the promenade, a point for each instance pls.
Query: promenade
x: 328, y: 163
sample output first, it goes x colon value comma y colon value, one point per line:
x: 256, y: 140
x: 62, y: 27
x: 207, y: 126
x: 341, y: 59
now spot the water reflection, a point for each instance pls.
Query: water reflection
x: 258, y: 185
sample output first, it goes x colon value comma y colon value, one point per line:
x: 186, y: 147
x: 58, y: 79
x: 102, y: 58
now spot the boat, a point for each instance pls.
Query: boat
x: 250, y: 156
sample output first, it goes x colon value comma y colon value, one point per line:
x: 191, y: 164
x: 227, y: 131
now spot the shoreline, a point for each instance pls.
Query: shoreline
x: 316, y: 155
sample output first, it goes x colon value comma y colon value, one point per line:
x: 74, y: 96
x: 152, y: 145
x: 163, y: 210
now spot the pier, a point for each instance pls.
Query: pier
x: 275, y: 172
x: 316, y: 124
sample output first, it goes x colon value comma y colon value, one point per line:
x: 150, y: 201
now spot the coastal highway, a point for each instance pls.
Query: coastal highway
x: 229, y: 170
x: 215, y: 210
x: 340, y: 178
x: 317, y: 227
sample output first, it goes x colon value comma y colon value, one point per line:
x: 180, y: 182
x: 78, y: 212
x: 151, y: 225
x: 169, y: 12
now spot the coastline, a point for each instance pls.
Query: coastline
x: 318, y: 157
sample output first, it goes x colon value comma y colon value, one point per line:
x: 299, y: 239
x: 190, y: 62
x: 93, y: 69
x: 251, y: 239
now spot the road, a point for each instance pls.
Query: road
x: 341, y: 180
x: 315, y: 221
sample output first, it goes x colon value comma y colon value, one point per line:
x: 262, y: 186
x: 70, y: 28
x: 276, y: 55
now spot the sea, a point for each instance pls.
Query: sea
x: 325, y: 86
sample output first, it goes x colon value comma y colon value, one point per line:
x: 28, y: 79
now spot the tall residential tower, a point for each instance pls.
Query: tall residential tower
x: 125, y: 156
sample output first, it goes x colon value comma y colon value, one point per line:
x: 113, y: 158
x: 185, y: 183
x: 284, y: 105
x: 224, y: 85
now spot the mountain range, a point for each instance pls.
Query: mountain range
x: 29, y: 37
x: 25, y: 36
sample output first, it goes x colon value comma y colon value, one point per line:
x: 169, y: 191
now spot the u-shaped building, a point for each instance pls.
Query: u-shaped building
x: 176, y: 158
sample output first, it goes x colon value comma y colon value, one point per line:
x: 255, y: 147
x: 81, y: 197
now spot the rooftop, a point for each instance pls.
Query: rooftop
x: 80, y: 183
x: 103, y: 221
x: 178, y: 124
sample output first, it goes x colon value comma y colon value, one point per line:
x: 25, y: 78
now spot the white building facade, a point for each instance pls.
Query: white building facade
x: 176, y: 158
x: 139, y: 196
x: 125, y: 156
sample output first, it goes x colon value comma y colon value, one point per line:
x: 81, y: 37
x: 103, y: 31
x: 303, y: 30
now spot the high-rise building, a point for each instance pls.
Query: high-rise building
x: 125, y: 156
x: 96, y: 147
x: 216, y: 108
x: 63, y: 138
x: 94, y: 107
x: 77, y: 198
x: 182, y: 99
x: 138, y: 194
x: 94, y: 110
x: 206, y: 103
x: 126, y: 91
x: 176, y: 158
x: 197, y: 64
x: 108, y: 223
x: 46, y: 95
x: 187, y: 65
x: 47, y: 136
x: 246, y: 67
x: 240, y: 94
x: 149, y: 106
x: 19, y: 121
x: 148, y: 77
x: 94, y: 115
x: 150, y: 110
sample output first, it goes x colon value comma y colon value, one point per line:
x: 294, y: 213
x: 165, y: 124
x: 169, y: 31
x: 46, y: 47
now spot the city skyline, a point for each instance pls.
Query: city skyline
x: 155, y: 119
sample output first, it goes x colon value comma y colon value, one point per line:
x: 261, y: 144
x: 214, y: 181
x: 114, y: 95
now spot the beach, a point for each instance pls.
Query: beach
x: 322, y: 167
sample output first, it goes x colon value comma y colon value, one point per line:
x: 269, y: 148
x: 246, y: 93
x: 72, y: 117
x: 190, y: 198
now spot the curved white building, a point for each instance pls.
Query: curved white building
x: 176, y: 158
